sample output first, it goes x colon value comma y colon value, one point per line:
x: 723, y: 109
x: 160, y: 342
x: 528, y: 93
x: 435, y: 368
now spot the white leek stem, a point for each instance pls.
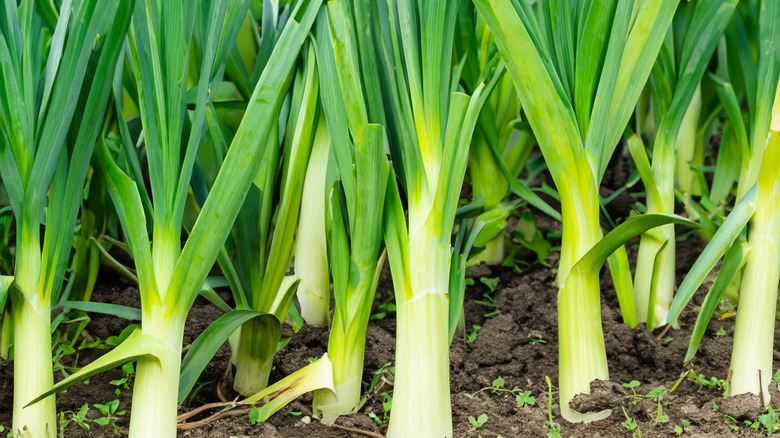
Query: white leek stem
x: 157, y: 381
x: 686, y: 146
x: 751, y: 360
x: 582, y: 355
x: 33, y: 373
x: 253, y: 359
x: 311, y: 249
x: 421, y: 396
x: 655, y: 272
x: 345, y: 350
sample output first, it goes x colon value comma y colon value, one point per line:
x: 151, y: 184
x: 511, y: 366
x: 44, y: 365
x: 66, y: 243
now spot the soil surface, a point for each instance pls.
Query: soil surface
x: 517, y: 342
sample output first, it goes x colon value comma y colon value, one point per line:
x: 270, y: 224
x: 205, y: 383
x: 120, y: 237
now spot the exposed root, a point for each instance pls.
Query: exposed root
x: 356, y: 430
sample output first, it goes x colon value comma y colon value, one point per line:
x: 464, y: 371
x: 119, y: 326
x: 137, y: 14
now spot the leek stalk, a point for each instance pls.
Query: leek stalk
x: 42, y: 88
x: 355, y: 116
x: 170, y: 276
x: 577, y: 112
x: 430, y: 127
x: 751, y: 359
x: 675, y: 108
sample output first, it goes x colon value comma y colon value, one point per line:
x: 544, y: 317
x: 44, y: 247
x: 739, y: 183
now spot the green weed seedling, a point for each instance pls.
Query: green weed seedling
x: 488, y: 300
x: 491, y: 283
x: 657, y: 395
x: 630, y: 425
x: 254, y: 415
x: 631, y: 385
x: 478, y: 422
x: 79, y: 418
x: 711, y: 383
x: 553, y: 428
x: 679, y: 430
x: 522, y: 397
x: 110, y: 412
x: 124, y: 383
x: 770, y: 421
x: 472, y: 335
x: 387, y: 406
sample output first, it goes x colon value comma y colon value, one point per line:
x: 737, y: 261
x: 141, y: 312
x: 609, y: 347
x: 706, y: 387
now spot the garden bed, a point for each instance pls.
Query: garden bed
x: 517, y: 344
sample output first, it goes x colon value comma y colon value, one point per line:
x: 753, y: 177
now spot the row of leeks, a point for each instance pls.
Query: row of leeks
x: 269, y: 148
x: 173, y: 117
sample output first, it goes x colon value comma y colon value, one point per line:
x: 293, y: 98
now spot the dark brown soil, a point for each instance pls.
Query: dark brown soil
x: 519, y: 345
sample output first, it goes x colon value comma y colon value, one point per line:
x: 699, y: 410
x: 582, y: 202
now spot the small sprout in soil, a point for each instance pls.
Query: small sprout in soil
x: 720, y: 332
x: 379, y: 375
x: 491, y: 283
x: 478, y: 422
x: 254, y: 415
x: 770, y: 421
x: 776, y: 378
x: 79, y: 418
x: 630, y: 425
x: 110, y: 412
x: 386, y: 307
x: 755, y: 425
x: 472, y: 335
x: 679, y: 430
x: 525, y: 398
x: 61, y: 350
x: 631, y: 385
x: 536, y: 339
x: 554, y: 429
x: 711, y: 383
x: 488, y: 300
x: 666, y: 340
x: 657, y: 394
x: 387, y: 406
x: 498, y: 387
x: 296, y: 413
x: 124, y: 383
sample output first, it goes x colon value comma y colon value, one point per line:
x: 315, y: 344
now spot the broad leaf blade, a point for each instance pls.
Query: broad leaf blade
x: 206, y: 345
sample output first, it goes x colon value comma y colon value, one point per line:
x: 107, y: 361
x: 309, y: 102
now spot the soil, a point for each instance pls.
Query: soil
x: 518, y: 344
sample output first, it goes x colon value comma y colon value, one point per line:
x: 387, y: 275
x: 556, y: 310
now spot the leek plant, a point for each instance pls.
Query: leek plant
x: 750, y: 75
x: 579, y: 71
x: 311, y: 242
x: 429, y: 130
x: 257, y: 254
x: 355, y: 117
x: 263, y: 234
x: 758, y: 259
x: 170, y: 276
x: 50, y: 65
x: 749, y: 256
x: 751, y: 357
x: 676, y: 99
x: 499, y: 128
